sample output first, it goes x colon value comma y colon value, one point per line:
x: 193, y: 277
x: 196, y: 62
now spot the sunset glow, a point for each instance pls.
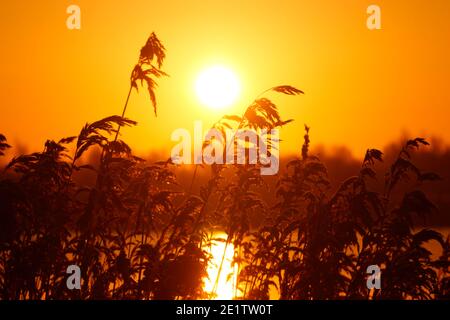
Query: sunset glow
x: 225, y: 150
x: 322, y: 47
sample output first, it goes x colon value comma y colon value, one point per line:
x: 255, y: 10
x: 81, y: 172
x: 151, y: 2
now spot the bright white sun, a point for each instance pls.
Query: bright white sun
x: 217, y: 87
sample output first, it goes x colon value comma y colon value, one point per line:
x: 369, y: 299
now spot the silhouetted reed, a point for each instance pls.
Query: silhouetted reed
x: 136, y: 233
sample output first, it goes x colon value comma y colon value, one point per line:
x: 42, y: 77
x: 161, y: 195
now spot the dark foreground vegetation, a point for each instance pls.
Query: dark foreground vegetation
x: 138, y: 234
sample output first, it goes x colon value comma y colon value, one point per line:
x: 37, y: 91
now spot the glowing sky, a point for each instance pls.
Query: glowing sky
x: 363, y: 88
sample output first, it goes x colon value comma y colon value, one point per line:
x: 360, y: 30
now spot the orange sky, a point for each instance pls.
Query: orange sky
x: 363, y: 88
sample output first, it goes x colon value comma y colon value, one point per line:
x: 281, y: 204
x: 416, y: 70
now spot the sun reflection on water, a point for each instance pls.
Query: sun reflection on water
x: 226, y: 285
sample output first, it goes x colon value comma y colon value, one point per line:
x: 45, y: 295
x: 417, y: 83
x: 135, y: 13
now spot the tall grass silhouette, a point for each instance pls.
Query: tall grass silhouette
x: 136, y: 233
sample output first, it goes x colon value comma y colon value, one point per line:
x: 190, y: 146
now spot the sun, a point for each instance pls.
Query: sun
x: 217, y: 87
